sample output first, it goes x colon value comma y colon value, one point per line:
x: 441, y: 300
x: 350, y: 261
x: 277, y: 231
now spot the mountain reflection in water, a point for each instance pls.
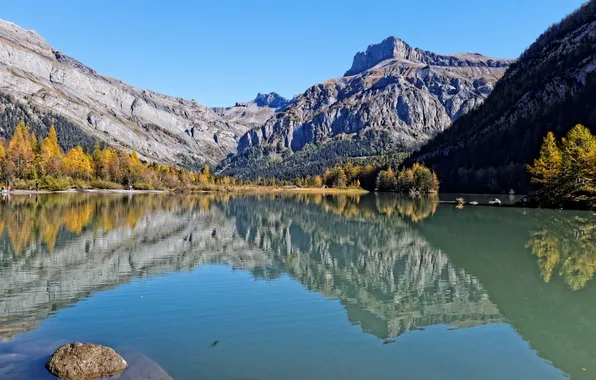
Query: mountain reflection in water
x: 396, y: 264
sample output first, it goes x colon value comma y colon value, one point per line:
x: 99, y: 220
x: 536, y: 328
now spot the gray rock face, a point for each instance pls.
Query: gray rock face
x: 407, y: 94
x: 255, y: 112
x: 394, y: 48
x: 271, y: 100
x: 161, y: 128
x: 411, y: 99
x: 84, y: 361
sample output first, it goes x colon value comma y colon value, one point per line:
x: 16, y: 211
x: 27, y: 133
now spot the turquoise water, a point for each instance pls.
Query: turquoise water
x: 299, y: 287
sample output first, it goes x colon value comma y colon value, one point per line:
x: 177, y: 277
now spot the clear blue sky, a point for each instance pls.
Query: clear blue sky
x: 220, y: 52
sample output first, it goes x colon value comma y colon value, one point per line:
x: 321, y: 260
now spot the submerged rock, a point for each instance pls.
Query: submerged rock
x: 85, y: 361
x: 142, y: 367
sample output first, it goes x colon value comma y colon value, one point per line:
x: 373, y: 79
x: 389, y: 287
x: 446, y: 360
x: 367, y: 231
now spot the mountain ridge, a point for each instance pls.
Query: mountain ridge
x: 161, y: 128
x: 255, y: 112
x: 396, y: 48
x: 395, y: 105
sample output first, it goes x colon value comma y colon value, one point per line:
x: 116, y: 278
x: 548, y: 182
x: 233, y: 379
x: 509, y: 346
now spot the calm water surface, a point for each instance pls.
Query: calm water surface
x: 299, y: 287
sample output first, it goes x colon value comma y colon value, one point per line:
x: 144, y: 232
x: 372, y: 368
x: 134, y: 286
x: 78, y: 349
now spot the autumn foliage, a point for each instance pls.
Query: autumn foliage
x: 565, y: 171
x: 346, y: 175
x: 417, y: 179
x: 27, y: 162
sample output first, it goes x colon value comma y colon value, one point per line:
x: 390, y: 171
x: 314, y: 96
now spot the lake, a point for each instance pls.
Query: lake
x: 299, y: 286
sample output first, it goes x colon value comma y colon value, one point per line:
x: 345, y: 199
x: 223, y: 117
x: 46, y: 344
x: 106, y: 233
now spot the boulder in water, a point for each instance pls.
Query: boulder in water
x: 85, y: 361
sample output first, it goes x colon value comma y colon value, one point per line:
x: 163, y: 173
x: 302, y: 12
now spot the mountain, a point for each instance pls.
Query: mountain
x: 393, y: 99
x: 46, y: 86
x: 551, y: 87
x: 255, y: 112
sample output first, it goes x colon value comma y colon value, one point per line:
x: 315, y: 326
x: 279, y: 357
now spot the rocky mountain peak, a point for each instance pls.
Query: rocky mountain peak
x: 393, y: 48
x: 389, y: 48
x: 272, y: 100
x: 257, y: 111
x: 393, y: 99
x: 29, y: 39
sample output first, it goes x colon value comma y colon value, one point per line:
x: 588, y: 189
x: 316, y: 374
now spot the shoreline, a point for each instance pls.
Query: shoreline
x: 226, y: 190
x: 261, y: 190
x: 74, y: 191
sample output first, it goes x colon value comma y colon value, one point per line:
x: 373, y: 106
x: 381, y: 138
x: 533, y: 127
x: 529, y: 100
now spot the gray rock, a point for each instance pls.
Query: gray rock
x: 85, y: 361
x: 395, y: 48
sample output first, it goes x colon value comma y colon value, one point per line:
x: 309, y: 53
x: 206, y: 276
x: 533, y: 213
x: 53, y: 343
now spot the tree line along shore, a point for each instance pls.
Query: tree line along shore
x: 564, y: 174
x: 31, y: 163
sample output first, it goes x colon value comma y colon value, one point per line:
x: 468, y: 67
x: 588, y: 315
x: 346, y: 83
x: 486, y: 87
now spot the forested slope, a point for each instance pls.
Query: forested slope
x: 551, y: 87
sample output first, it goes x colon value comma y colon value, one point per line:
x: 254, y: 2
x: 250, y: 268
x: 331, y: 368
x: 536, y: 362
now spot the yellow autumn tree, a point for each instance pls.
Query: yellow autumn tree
x: 20, y: 154
x: 98, y: 163
x: 136, y: 168
x: 2, y: 161
x: 51, y: 153
x: 318, y: 181
x: 78, y: 164
x: 578, y: 150
x: 207, y: 174
x: 110, y: 170
x: 566, y: 171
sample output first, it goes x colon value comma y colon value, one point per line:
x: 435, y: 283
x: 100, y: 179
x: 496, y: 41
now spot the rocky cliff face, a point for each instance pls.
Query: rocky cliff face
x: 394, y: 97
x: 394, y: 48
x: 159, y: 127
x: 551, y: 87
x: 256, y: 112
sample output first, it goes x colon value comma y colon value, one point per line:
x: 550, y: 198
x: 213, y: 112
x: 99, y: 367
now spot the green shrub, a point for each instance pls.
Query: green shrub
x: 100, y: 184
x: 81, y: 184
x: 54, y: 184
x: 143, y: 186
x: 23, y: 184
